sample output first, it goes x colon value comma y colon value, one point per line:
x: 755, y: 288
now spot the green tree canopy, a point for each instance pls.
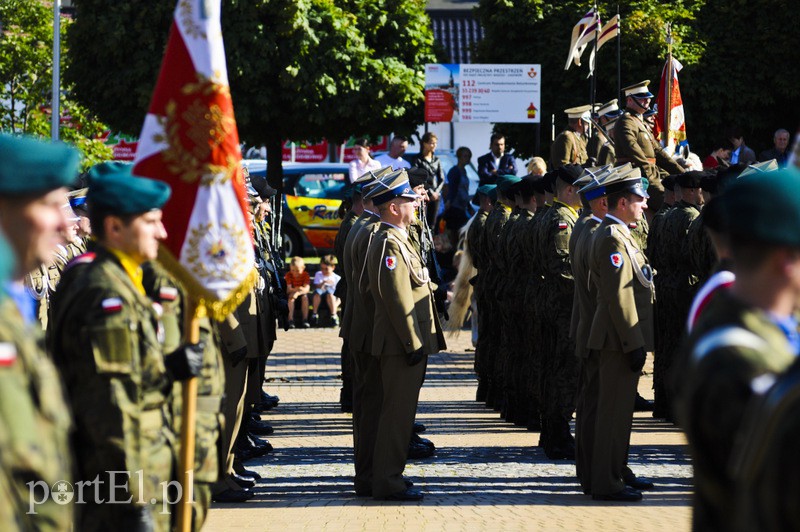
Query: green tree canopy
x: 298, y: 69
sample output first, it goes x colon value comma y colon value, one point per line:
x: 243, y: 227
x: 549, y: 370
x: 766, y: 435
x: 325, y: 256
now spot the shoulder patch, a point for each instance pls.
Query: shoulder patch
x: 112, y: 305
x: 8, y: 354
x: 86, y: 258
x: 563, y: 225
x: 168, y: 293
x: 616, y: 259
x: 633, y: 225
x: 391, y: 262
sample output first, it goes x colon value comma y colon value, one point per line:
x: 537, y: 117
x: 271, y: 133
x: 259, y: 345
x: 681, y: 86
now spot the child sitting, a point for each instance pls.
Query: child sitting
x: 298, y: 285
x: 325, y: 281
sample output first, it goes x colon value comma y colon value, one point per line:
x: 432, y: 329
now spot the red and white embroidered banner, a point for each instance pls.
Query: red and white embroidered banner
x: 189, y: 140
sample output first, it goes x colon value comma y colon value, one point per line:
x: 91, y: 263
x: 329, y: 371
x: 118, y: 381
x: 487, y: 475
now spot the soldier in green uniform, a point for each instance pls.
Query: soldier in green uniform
x: 559, y: 372
x: 406, y: 330
x: 634, y: 143
x: 569, y: 147
x: 484, y: 200
x: 106, y: 339
x: 745, y: 336
x: 678, y: 286
x: 35, y: 421
x: 491, y: 341
x: 619, y: 337
x: 164, y: 290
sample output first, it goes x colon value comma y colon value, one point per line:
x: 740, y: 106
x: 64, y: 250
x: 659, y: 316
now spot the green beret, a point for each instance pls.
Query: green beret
x: 113, y: 187
x: 505, y: 182
x: 764, y: 207
x: 29, y: 166
x: 7, y: 263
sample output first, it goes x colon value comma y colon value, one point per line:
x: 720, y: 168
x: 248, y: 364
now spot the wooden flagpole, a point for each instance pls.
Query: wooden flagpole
x: 191, y: 328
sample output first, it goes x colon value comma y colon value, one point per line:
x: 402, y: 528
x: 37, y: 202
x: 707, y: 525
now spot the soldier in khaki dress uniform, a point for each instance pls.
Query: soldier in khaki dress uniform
x: 634, y: 143
x: 106, y: 338
x: 35, y: 422
x: 406, y: 330
x: 569, y: 147
x: 620, y: 335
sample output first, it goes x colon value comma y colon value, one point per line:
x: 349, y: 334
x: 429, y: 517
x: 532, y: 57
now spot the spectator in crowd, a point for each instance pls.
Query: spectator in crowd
x: 428, y: 161
x: 780, y: 149
x: 325, y: 281
x: 537, y: 166
x: 720, y: 157
x: 395, y: 158
x: 457, y: 200
x: 298, y: 285
x: 362, y: 162
x: 741, y: 154
x: 496, y: 162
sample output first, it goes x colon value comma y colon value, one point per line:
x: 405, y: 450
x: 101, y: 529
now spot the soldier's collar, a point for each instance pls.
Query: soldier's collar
x: 131, y: 267
x: 616, y: 220
x: 573, y: 211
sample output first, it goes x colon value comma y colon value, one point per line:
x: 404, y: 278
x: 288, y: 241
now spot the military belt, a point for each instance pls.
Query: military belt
x: 623, y: 160
x: 151, y: 419
x: 209, y: 403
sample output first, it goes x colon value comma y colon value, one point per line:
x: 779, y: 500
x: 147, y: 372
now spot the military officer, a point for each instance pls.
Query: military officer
x: 745, y: 336
x: 634, y: 143
x: 106, y: 340
x: 620, y: 335
x: 603, y: 152
x: 35, y: 422
x: 569, y: 147
x: 406, y: 330
x: 679, y: 285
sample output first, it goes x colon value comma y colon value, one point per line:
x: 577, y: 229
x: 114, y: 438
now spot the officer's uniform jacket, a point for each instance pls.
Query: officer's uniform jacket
x: 585, y: 299
x: 569, y: 147
x: 623, y: 319
x: 363, y: 304
x: 607, y: 154
x: 348, y: 270
x: 405, y: 318
x: 338, y: 250
x: 635, y: 144
x: 106, y: 338
x: 35, y: 424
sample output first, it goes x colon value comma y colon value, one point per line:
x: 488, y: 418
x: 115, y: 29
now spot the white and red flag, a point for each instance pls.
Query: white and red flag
x: 583, y: 33
x: 670, y: 126
x: 189, y: 140
x: 607, y: 32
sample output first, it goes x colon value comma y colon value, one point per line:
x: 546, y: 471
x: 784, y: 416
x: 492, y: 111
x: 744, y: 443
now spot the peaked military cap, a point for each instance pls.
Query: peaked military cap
x: 593, y: 187
x: 371, y: 175
x: 569, y: 173
x: 760, y: 168
x: 262, y: 188
x: 506, y: 181
x: 691, y: 179
x: 650, y: 112
x: 610, y: 109
x: 29, y: 166
x: 391, y: 186
x: 77, y: 199
x: 418, y: 176
x: 114, y: 187
x: 638, y: 90
x: 626, y: 179
x: 765, y: 207
x: 582, y: 111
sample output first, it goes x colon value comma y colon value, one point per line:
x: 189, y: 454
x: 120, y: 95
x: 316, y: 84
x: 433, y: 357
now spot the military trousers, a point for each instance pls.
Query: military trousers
x: 586, y: 418
x: 367, y: 398
x: 401, y: 386
x: 233, y: 411
x: 615, y: 402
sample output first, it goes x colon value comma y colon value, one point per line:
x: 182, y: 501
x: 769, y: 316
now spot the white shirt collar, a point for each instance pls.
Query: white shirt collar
x: 595, y: 218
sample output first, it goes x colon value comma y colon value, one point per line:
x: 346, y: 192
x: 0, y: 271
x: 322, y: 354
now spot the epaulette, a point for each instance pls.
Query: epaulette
x: 86, y: 258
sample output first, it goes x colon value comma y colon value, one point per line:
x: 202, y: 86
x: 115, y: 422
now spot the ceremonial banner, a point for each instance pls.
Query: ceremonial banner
x: 608, y: 32
x: 670, y: 126
x: 189, y: 140
x: 583, y: 33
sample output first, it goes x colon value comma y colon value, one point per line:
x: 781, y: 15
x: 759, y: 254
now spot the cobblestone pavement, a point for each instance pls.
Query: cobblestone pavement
x: 486, y: 474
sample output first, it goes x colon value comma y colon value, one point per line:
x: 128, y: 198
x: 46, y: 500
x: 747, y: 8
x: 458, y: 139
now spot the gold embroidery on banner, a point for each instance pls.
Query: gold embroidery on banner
x: 186, y: 15
x: 218, y: 253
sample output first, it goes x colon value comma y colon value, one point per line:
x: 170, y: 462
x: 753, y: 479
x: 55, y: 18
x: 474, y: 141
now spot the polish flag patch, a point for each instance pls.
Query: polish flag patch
x: 562, y: 225
x: 86, y: 258
x: 391, y: 263
x: 8, y: 354
x: 633, y: 225
x: 112, y: 305
x: 168, y: 293
x: 616, y: 260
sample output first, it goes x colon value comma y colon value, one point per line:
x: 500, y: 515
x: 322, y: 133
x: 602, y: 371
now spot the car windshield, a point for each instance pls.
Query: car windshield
x: 321, y: 185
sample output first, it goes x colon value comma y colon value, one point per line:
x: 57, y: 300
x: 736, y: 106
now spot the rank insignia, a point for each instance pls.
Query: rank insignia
x: 112, y: 305
x: 391, y: 262
x: 8, y: 354
x: 616, y: 259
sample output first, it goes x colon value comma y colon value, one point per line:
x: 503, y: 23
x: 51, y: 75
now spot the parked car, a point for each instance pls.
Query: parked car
x: 312, y: 195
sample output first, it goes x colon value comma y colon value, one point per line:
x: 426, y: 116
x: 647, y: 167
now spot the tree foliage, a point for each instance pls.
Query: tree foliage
x: 26, y: 73
x: 298, y: 69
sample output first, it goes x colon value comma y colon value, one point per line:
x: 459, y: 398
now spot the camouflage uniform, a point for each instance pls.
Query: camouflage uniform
x: 107, y: 344
x: 35, y: 426
x: 640, y: 231
x: 700, y: 250
x: 489, y: 246
x: 559, y: 365
x: 474, y: 243
x: 503, y: 373
x: 208, y: 453
x: 653, y: 247
x: 677, y: 289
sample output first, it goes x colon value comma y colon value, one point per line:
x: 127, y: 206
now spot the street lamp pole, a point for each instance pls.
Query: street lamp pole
x: 55, y: 105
